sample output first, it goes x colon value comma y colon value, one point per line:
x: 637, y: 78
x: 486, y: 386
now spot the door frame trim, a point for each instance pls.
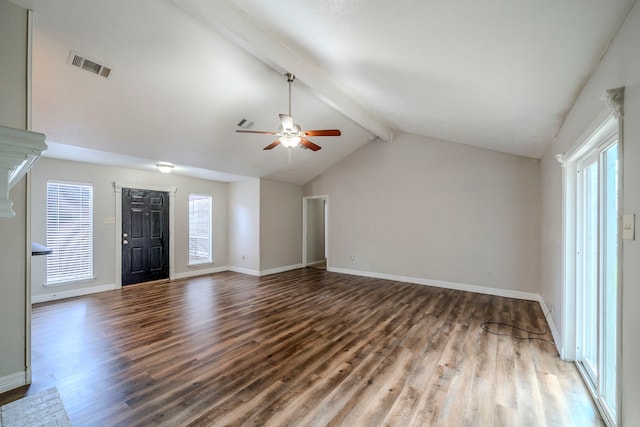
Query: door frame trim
x: 305, y: 201
x: 608, y: 123
x: 117, y: 187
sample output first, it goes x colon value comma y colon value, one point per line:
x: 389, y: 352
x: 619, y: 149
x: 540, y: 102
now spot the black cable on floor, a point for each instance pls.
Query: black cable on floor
x: 484, y: 327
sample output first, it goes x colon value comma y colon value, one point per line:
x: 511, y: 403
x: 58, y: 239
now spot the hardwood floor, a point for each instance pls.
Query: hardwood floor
x: 306, y: 347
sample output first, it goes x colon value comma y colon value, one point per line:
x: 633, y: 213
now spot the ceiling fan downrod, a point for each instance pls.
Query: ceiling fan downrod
x: 290, y: 78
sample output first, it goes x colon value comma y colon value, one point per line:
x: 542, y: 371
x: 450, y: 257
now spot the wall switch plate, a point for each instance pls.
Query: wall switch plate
x: 628, y: 227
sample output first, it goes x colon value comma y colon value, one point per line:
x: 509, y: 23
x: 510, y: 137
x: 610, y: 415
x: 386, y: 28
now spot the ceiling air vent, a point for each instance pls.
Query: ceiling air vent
x: 88, y: 65
x: 245, y: 124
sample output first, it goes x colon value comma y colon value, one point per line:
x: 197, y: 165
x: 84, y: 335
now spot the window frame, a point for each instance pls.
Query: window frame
x: 209, y: 260
x: 86, y: 211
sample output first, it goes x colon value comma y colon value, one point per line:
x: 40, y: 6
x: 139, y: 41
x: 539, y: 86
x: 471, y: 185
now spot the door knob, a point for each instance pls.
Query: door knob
x: 125, y: 235
x: 125, y: 242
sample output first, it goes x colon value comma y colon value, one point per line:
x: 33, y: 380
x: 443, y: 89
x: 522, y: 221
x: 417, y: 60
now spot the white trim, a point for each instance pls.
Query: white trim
x: 280, y: 269
x: 201, y: 272
x: 603, y: 128
x: 569, y: 259
x: 69, y: 282
x: 442, y: 284
x: 117, y: 187
x: 35, y: 299
x: 312, y: 264
x: 11, y: 381
x: 27, y: 294
x: 244, y: 271
x: 265, y: 272
x: 602, y: 125
x: 210, y: 237
x: 28, y: 117
x: 305, y: 201
x: 28, y: 254
x: 552, y: 326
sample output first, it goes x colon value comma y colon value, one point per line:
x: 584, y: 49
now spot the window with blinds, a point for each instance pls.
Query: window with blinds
x: 199, y: 228
x: 69, y: 232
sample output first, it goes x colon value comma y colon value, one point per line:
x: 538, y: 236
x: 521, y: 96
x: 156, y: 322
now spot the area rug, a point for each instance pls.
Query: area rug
x: 41, y: 409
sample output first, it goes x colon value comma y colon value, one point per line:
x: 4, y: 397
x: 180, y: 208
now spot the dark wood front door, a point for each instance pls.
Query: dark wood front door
x: 145, y: 235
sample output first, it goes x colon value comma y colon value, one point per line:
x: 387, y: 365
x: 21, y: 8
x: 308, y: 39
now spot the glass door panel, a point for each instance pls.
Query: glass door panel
x: 590, y: 271
x: 597, y: 244
x: 609, y: 290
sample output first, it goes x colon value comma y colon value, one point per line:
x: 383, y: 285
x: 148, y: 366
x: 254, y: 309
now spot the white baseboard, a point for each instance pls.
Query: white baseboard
x: 9, y: 382
x: 264, y: 272
x: 552, y: 326
x: 280, y: 269
x: 244, y: 271
x: 201, y: 272
x: 442, y: 284
x: 71, y: 293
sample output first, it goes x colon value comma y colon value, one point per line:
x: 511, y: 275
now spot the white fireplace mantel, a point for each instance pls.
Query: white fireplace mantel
x: 19, y: 150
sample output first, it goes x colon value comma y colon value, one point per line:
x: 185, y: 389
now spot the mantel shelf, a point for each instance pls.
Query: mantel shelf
x: 19, y: 150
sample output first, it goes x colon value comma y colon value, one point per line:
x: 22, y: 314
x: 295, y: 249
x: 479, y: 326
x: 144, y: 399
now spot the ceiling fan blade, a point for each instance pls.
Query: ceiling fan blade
x: 256, y: 131
x: 324, y: 132
x: 287, y: 121
x: 310, y: 145
x: 272, y: 145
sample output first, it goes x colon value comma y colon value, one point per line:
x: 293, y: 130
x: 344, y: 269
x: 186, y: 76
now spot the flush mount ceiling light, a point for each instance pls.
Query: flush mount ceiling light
x: 165, y: 167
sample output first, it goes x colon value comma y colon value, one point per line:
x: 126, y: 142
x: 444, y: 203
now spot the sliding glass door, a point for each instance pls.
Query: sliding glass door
x: 597, y: 272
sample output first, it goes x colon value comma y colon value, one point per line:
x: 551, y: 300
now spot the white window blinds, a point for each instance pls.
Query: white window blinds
x: 199, y: 228
x: 69, y: 232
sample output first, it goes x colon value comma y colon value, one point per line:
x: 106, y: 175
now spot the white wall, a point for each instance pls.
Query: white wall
x: 13, y: 231
x: 619, y: 67
x: 280, y: 226
x: 244, y: 226
x: 247, y: 216
x: 13, y: 71
x: 102, y: 179
x: 13, y: 285
x: 434, y: 210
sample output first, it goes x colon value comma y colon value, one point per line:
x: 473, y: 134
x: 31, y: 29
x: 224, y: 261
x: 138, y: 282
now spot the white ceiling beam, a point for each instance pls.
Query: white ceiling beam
x: 243, y: 30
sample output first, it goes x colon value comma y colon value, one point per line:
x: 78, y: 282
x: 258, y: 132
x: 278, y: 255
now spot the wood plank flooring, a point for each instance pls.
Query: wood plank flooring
x: 302, y: 348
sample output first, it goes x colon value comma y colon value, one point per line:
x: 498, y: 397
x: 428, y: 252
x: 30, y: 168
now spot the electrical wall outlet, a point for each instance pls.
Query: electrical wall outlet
x: 628, y: 227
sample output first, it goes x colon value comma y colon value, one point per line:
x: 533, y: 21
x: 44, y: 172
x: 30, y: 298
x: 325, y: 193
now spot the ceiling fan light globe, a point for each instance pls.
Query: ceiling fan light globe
x: 290, y: 141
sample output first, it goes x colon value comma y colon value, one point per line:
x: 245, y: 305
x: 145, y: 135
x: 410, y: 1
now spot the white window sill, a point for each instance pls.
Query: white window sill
x: 201, y: 264
x: 69, y: 282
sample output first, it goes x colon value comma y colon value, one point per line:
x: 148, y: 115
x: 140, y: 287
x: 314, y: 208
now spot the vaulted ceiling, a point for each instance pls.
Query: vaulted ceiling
x: 496, y: 74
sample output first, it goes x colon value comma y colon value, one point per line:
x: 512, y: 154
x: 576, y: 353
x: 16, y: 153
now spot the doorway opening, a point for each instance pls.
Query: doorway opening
x: 315, y: 235
x: 145, y: 235
x: 592, y: 179
x: 144, y: 226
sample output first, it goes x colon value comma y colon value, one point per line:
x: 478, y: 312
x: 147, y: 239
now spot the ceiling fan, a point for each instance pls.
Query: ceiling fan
x: 290, y: 134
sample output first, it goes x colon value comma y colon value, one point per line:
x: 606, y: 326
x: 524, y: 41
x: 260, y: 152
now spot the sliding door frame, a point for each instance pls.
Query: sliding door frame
x: 607, y: 125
